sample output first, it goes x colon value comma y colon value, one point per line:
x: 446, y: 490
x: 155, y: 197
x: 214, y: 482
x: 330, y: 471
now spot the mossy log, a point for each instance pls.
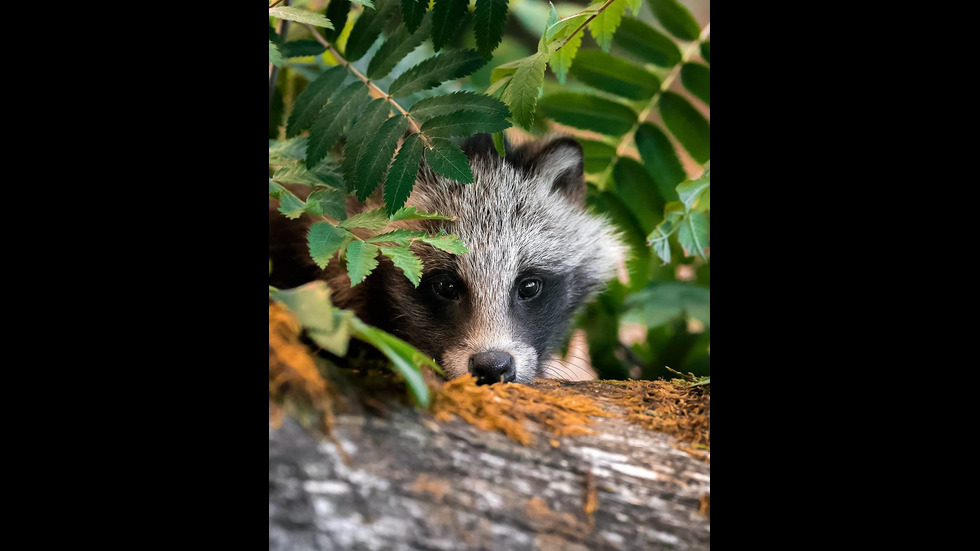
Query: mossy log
x: 411, y: 482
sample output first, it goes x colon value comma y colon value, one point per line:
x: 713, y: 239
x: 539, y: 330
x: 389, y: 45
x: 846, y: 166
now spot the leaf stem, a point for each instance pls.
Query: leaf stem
x: 584, y: 23
x: 376, y: 92
x: 625, y: 141
x: 281, y: 29
x: 272, y: 5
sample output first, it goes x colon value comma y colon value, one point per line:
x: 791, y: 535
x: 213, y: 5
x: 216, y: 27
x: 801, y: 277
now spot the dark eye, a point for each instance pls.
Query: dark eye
x: 445, y: 288
x: 529, y: 288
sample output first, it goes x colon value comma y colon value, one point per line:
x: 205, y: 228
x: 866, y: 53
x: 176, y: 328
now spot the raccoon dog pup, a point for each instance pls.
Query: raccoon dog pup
x: 536, y: 255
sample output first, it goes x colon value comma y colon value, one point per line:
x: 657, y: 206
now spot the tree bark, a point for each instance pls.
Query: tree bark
x: 413, y: 483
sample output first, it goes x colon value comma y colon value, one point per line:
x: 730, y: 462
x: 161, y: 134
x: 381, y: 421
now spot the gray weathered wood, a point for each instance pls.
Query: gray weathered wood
x: 417, y: 484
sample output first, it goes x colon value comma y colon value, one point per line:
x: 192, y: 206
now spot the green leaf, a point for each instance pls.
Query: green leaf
x: 365, y: 3
x: 372, y: 166
x: 659, y: 159
x: 693, y: 234
x: 275, y: 189
x: 604, y: 26
x: 401, y: 176
x: 706, y: 50
x: 463, y: 124
x: 522, y: 93
x: 337, y: 11
x: 324, y: 240
x: 447, y: 19
x: 676, y: 19
x: 660, y: 303
x: 634, y: 5
x: 302, y: 48
x: 498, y: 143
x: 690, y: 190
x: 329, y: 327
x: 361, y: 260
x: 432, y: 72
x: 367, y: 122
x: 449, y: 243
x: 646, y: 43
x: 374, y: 220
x: 275, y: 57
x: 589, y: 112
x: 332, y: 119
x: 396, y: 47
x: 490, y: 16
x: 610, y: 74
x: 561, y: 60
x: 300, y: 16
x: 401, y: 237
x: 404, y: 357
x: 427, y: 108
x: 638, y: 259
x: 639, y: 193
x: 412, y: 13
x: 290, y: 205
x: 413, y: 213
x: 367, y: 28
x: 298, y: 174
x: 286, y: 151
x: 331, y: 203
x: 447, y: 159
x: 697, y: 79
x: 598, y: 155
x: 403, y: 259
x: 687, y: 125
x: 658, y: 239
x: 312, y: 98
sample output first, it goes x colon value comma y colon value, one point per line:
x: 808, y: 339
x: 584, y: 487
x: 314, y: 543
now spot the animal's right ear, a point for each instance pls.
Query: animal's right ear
x: 562, y: 162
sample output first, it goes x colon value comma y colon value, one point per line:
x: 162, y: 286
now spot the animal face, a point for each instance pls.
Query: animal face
x: 535, y: 256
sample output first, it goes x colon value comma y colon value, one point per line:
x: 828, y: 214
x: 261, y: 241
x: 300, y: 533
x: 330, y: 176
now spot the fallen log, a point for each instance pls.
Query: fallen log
x: 406, y: 481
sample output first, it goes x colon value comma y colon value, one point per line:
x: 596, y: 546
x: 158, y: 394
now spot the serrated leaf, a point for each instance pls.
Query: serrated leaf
x: 331, y: 203
x: 463, y: 124
x: 646, y: 43
x: 324, y: 240
x: 367, y: 28
x: 447, y: 159
x: 658, y: 238
x: 561, y: 60
x: 302, y: 48
x: 301, y: 16
x: 337, y: 12
x: 427, y: 108
x: 401, y: 43
x: 610, y: 74
x: 693, y: 234
x: 401, y: 176
x: 675, y: 18
x: 367, y: 122
x: 521, y: 95
x: 503, y: 70
x: 275, y: 57
x: 697, y: 79
x: 687, y: 125
x: 589, y: 112
x: 447, y: 19
x: 330, y: 122
x: 413, y: 213
x: 412, y: 13
x: 634, y: 5
x: 312, y: 98
x: 489, y: 19
x: 598, y: 155
x: 399, y: 237
x: 706, y: 50
x: 290, y: 205
x: 689, y: 190
x: 285, y: 151
x: 604, y: 26
x: 381, y: 145
x: 497, y: 88
x: 432, y: 72
x: 660, y: 303
x: 361, y: 261
x: 296, y: 174
x: 275, y: 189
x: 403, y: 259
x: 498, y: 143
x: 449, y: 243
x: 639, y: 192
x: 365, y: 3
x: 659, y: 159
x: 374, y: 220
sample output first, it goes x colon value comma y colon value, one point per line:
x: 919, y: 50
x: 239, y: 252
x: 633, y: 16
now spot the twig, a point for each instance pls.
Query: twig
x: 377, y: 92
x: 272, y: 5
x: 282, y: 29
x: 584, y: 23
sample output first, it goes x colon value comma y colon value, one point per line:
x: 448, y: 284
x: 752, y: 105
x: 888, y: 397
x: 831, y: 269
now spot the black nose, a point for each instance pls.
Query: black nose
x: 492, y: 367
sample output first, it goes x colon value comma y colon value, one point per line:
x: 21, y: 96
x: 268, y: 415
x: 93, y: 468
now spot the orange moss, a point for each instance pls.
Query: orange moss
x: 506, y: 407
x: 292, y: 372
x: 434, y: 487
x: 677, y: 409
x: 705, y: 508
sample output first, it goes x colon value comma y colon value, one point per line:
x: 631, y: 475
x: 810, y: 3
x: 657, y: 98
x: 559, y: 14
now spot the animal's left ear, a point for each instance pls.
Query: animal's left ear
x: 562, y: 162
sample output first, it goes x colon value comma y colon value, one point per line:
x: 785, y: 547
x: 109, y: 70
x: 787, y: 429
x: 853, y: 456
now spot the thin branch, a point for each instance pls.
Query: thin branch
x: 281, y: 29
x: 376, y: 92
x: 272, y: 5
x: 584, y: 23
